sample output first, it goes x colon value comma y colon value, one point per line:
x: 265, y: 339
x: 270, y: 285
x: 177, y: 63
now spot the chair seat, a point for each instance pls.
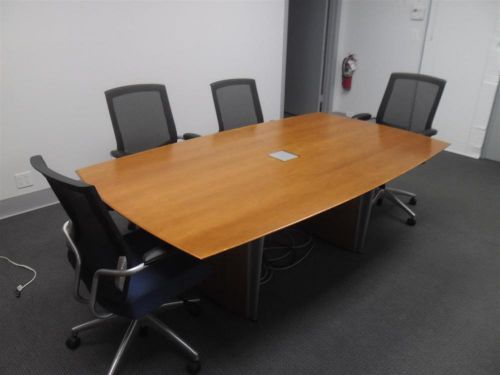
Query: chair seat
x: 161, y: 282
x: 164, y: 280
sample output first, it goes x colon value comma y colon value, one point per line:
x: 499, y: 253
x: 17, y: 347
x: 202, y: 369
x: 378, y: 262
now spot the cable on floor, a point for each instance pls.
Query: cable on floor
x: 20, y: 287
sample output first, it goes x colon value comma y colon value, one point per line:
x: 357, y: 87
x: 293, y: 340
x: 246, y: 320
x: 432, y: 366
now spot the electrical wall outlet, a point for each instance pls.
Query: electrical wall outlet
x: 23, y: 180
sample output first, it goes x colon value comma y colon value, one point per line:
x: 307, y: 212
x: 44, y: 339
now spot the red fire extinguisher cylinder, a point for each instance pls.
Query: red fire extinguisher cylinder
x: 346, y: 82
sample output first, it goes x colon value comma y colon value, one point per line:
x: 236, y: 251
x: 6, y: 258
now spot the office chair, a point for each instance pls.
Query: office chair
x: 236, y: 103
x: 410, y: 102
x: 128, y: 276
x: 141, y: 118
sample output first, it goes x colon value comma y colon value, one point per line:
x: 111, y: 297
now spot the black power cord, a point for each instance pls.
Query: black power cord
x: 282, y: 256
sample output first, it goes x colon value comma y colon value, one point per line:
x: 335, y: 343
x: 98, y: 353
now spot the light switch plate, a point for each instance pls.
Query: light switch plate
x: 417, y: 14
x: 283, y: 155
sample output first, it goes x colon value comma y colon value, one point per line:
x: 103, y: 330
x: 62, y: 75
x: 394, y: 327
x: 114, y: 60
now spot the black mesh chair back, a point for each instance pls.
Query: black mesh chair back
x: 141, y: 117
x: 236, y: 103
x: 95, y: 234
x: 410, y: 101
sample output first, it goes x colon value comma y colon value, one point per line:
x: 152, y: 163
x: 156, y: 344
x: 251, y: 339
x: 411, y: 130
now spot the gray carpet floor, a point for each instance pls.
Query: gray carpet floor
x: 420, y: 300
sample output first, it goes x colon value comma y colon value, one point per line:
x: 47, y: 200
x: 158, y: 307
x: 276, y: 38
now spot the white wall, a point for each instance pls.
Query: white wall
x: 60, y: 56
x: 463, y: 47
x: 384, y: 40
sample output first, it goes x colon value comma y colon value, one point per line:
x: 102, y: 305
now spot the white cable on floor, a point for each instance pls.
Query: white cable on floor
x: 20, y: 287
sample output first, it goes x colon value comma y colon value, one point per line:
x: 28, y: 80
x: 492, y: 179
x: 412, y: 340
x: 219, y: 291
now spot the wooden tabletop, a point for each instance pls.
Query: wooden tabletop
x: 213, y: 193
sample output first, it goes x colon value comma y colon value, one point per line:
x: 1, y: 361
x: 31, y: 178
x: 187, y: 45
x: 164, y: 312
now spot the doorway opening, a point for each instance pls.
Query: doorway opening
x: 310, y: 56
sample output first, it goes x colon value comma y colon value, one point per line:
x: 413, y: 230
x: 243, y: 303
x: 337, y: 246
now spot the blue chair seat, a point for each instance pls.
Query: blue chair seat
x: 164, y: 280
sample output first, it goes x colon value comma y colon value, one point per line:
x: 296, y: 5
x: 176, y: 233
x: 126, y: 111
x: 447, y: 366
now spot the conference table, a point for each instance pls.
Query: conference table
x: 216, y: 197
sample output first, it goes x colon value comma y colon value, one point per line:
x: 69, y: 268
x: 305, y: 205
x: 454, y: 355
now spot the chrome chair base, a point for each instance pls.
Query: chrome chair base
x: 392, y: 194
x: 135, y: 326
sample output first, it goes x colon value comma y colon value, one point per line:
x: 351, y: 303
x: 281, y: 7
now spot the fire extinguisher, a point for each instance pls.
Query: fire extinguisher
x: 348, y: 69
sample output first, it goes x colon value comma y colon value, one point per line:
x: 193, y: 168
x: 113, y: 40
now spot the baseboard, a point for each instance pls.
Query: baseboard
x: 462, y: 152
x: 27, y: 202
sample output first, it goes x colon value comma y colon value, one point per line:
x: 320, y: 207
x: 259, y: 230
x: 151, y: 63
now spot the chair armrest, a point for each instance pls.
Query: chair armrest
x: 149, y: 257
x: 117, y: 153
x: 362, y: 116
x: 109, y: 273
x: 187, y: 136
x: 153, y: 255
x: 74, y: 259
x: 429, y: 132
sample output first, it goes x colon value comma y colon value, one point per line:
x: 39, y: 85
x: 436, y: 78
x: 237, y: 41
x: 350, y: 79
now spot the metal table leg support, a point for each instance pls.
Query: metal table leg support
x: 365, y: 205
x: 254, y: 266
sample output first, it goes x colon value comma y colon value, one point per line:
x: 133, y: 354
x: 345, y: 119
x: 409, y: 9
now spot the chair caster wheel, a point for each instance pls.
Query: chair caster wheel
x: 193, y: 367
x: 411, y: 221
x: 193, y: 308
x: 380, y: 201
x: 144, y: 331
x: 73, y: 342
x: 412, y: 201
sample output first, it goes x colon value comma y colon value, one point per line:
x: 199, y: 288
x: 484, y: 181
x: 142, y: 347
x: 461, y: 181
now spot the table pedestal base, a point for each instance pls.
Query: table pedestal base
x: 235, y: 283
